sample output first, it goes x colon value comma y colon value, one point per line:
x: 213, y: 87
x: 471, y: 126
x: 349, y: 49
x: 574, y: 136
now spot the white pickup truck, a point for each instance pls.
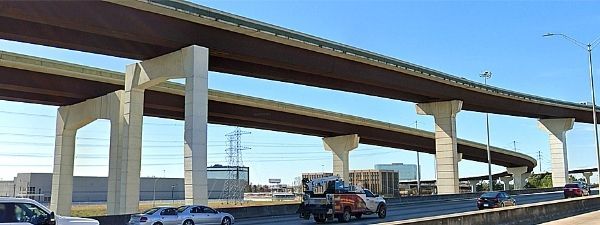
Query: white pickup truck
x: 24, y: 211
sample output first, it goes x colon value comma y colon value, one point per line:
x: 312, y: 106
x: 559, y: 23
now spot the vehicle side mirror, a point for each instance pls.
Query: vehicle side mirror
x: 51, y: 220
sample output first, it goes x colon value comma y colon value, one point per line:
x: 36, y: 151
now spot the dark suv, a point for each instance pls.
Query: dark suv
x: 576, y: 190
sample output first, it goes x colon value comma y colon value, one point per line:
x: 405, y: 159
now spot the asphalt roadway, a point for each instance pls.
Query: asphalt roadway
x: 403, y: 211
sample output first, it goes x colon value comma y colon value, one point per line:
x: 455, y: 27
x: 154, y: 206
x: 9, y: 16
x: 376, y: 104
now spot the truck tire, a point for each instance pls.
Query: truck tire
x: 381, y: 211
x: 345, y: 217
x: 320, y: 220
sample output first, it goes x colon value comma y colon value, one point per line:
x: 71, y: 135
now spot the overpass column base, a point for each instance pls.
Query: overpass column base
x: 519, y: 174
x: 557, y: 129
x: 446, y: 155
x: 473, y: 184
x: 587, y: 176
x: 506, y: 181
x: 341, y: 146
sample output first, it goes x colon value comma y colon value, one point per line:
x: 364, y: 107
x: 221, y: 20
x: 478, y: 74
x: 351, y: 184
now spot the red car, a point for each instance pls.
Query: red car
x: 575, y: 190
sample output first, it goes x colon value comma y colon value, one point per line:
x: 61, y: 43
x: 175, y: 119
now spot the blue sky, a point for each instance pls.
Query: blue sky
x: 460, y: 38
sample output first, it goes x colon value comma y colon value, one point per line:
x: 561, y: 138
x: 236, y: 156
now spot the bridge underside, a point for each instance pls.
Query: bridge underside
x: 125, y: 32
x: 42, y: 88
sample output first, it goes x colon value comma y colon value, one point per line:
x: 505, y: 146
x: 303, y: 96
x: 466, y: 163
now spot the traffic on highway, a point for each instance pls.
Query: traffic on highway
x: 398, y: 211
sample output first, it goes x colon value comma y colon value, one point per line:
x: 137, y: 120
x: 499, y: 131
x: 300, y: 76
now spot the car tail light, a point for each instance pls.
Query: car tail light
x: 143, y: 219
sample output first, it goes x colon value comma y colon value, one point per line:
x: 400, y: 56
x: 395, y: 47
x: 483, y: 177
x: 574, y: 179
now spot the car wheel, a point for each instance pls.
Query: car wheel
x: 502, y: 205
x: 480, y: 208
x: 358, y: 215
x: 188, y: 222
x: 226, y: 221
x: 157, y: 223
x: 382, y: 212
x: 345, y: 217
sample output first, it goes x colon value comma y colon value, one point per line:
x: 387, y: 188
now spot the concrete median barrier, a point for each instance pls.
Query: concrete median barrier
x: 287, y: 209
x: 445, y: 197
x: 237, y: 212
x: 519, y: 215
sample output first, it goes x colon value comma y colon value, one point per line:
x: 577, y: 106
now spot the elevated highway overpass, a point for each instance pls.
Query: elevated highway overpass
x: 148, y: 28
x: 49, y: 82
x: 181, y: 38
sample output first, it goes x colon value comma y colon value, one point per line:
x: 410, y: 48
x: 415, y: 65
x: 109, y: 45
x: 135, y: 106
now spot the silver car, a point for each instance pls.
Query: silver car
x: 156, y: 216
x: 197, y: 214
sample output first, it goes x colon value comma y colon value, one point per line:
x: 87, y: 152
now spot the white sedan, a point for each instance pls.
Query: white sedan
x: 23, y: 211
x: 198, y: 214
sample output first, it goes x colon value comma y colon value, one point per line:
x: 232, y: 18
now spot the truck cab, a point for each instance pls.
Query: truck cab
x: 338, y: 201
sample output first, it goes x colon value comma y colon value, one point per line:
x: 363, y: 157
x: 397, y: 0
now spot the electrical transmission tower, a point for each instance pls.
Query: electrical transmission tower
x: 234, y: 187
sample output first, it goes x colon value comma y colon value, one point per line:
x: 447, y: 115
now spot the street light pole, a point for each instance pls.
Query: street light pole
x: 173, y: 193
x: 588, y: 47
x: 418, y: 166
x: 154, y: 192
x: 487, y: 75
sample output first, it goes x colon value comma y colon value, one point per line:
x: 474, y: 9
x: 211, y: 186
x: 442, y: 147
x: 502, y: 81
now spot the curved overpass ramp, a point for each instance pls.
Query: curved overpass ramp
x: 49, y: 82
x: 248, y: 47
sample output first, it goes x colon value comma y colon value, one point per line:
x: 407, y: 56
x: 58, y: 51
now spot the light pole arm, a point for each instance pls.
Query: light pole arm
x: 574, y: 41
x: 594, y: 43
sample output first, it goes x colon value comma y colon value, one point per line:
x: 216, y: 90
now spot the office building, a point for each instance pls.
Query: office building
x: 406, y: 171
x: 38, y: 186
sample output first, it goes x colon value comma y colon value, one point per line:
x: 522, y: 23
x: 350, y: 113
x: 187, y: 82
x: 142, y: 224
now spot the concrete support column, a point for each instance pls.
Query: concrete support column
x: 64, y: 156
x: 341, y: 146
x: 557, y: 129
x: 131, y: 154
x: 69, y: 119
x: 506, y: 181
x: 519, y: 174
x: 446, y: 155
x: 113, y: 197
x: 190, y: 63
x: 195, y: 67
x: 587, y: 176
x: 473, y: 184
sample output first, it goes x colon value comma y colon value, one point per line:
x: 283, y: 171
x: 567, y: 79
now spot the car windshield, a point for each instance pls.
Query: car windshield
x: 489, y: 195
x: 571, y: 186
x: 181, y: 209
x: 150, y: 211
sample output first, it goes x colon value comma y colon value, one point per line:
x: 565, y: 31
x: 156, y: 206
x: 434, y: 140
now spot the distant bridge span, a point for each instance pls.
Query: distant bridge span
x: 48, y: 82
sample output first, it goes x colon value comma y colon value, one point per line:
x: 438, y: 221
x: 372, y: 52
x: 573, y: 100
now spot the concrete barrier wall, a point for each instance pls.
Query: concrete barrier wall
x: 261, y: 211
x: 237, y: 212
x: 520, y: 215
x: 466, y: 195
x: 287, y: 209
